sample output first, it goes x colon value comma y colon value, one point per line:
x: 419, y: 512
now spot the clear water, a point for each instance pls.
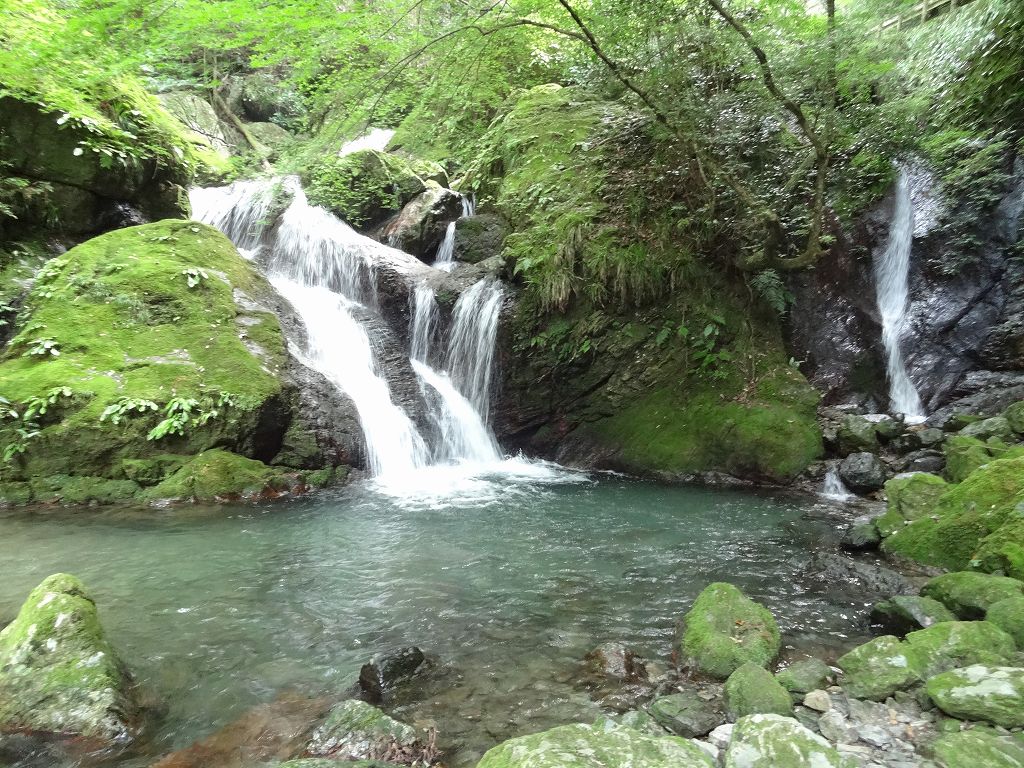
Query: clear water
x: 508, y: 581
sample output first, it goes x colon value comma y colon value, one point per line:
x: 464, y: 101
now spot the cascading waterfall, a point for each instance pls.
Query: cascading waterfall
x: 323, y: 268
x: 445, y: 259
x: 833, y: 487
x: 891, y: 270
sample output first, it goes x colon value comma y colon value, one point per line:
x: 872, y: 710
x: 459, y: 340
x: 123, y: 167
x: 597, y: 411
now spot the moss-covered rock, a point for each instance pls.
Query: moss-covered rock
x: 952, y: 644
x: 58, y: 673
x: 914, y: 495
x: 969, y: 594
x: 752, y: 690
x: 132, y: 348
x: 1008, y: 615
x: 355, y: 730
x: 1002, y: 551
x: 978, y: 748
x: 478, y: 238
x: 879, y: 668
x: 585, y: 746
x: 997, y: 427
x: 964, y: 516
x: 774, y: 741
x: 366, y: 187
x: 906, y: 613
x: 986, y: 693
x: 856, y: 435
x: 726, y: 629
x: 219, y: 475
x: 965, y: 454
x: 1014, y: 416
x: 804, y: 676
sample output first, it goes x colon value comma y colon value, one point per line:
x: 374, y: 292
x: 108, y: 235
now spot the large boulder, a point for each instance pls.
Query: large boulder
x: 978, y: 748
x: 774, y: 741
x: 1008, y: 615
x: 879, y: 668
x: 58, y: 672
x: 952, y: 644
x: 863, y: 472
x: 726, y: 629
x: 906, y: 613
x: 915, y: 494
x: 968, y: 594
x: 366, y: 187
x: 138, y: 350
x: 856, y: 434
x: 199, y: 117
x: 997, y: 427
x: 420, y: 226
x: 585, y: 746
x: 478, y: 238
x: 752, y: 690
x: 987, y: 693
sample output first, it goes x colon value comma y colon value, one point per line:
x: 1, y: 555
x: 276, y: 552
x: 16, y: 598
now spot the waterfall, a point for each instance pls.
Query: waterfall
x: 891, y: 271
x: 464, y: 436
x: 424, y: 322
x: 324, y: 269
x: 833, y: 486
x: 445, y: 259
x: 239, y: 211
x: 377, y: 138
x: 472, y: 340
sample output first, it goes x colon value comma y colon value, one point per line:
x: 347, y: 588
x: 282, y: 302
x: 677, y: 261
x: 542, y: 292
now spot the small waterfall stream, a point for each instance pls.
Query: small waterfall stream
x: 891, y: 270
x: 445, y: 259
x: 325, y: 270
x: 833, y: 486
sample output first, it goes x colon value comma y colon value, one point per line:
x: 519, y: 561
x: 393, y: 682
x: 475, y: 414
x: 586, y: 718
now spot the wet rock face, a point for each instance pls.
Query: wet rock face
x: 958, y: 326
x: 385, y: 671
x: 420, y: 226
x: 863, y: 472
x: 58, y: 673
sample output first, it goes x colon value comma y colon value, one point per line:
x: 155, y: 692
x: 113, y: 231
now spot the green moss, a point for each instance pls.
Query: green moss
x: 963, y: 517
x: 1008, y: 615
x: 978, y: 748
x: 879, y: 668
x: 126, y: 324
x: 74, y: 489
x: 367, y: 186
x: 969, y: 594
x: 804, y: 676
x: 1002, y: 551
x: 724, y: 630
x: 775, y: 741
x: 912, y: 496
x: 217, y: 475
x: 985, y: 693
x: 965, y: 454
x: 951, y: 644
x: 752, y: 690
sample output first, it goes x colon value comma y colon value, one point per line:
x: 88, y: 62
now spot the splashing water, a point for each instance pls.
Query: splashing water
x: 471, y: 344
x: 424, y: 322
x: 833, y: 486
x: 464, y: 435
x: 239, y: 211
x: 891, y: 271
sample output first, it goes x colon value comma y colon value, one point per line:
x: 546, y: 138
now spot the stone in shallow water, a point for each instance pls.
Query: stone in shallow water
x: 726, y: 629
x: 774, y: 741
x: 804, y: 676
x: 978, y: 749
x: 906, y: 613
x: 385, y: 671
x: 979, y: 692
x: 863, y: 472
x: 616, y: 661
x: 584, y: 746
x: 879, y: 668
x: 752, y: 690
x: 969, y: 594
x: 685, y: 715
x: 355, y: 730
x: 58, y: 673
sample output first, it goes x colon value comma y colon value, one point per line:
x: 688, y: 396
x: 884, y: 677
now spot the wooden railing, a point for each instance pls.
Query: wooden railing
x: 920, y: 13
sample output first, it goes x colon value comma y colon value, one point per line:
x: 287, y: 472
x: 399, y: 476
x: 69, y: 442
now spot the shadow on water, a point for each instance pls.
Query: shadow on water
x: 507, y: 584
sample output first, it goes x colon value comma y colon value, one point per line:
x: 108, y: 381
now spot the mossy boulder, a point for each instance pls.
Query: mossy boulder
x: 978, y: 748
x: 726, y: 629
x: 480, y: 237
x: 420, y: 226
x: 1014, y: 416
x: 366, y: 187
x: 219, y: 475
x: 1008, y: 615
x: 856, y: 434
x: 774, y: 741
x: 804, y: 676
x: 987, y: 693
x: 879, y: 668
x: 58, y: 672
x: 965, y: 515
x: 752, y: 690
x: 965, y: 454
x: 1002, y: 551
x: 586, y: 746
x: 132, y: 347
x: 952, y: 644
x: 914, y: 495
x: 997, y: 427
x: 969, y: 594
x: 906, y: 613
x: 355, y: 730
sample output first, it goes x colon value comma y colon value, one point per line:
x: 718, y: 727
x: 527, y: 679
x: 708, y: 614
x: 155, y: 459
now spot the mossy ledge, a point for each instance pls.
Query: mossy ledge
x: 137, y: 351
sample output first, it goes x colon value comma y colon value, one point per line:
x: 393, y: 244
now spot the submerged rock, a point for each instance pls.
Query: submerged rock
x: 968, y: 594
x: 988, y: 693
x: 385, y: 671
x: 58, y: 672
x: 775, y: 741
x: 585, y: 746
x: 906, y: 613
x: 616, y: 661
x: 752, y: 690
x: 726, y: 629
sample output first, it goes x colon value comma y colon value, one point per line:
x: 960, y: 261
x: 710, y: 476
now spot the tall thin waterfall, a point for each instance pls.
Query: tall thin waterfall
x: 323, y: 268
x: 424, y: 322
x: 891, y: 271
x: 445, y: 259
x: 471, y: 342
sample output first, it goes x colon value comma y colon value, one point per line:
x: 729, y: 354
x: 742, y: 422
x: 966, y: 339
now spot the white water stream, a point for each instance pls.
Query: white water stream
x: 891, y: 270
x: 325, y: 270
x: 445, y: 259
